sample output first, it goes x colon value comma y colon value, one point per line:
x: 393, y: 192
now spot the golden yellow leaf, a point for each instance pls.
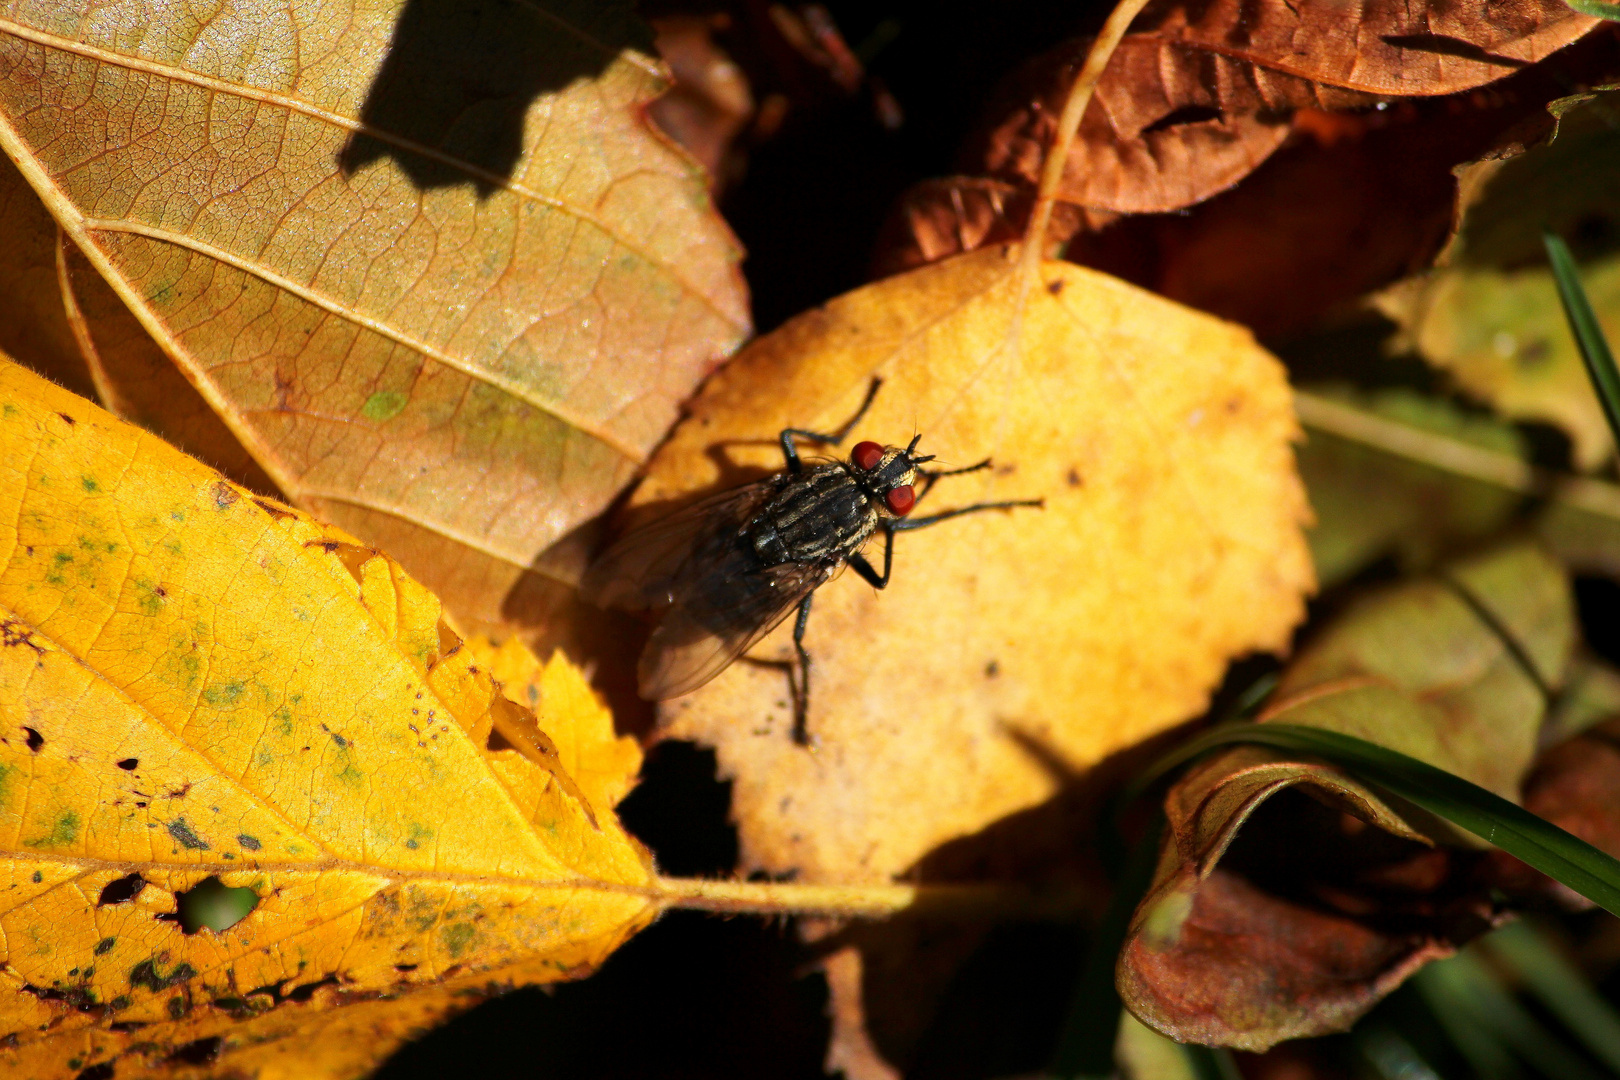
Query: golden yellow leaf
x: 196, y: 682
x: 1170, y: 542
x: 447, y: 294
x: 604, y: 764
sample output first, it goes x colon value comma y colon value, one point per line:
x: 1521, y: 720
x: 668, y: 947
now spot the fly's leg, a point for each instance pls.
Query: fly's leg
x: 932, y: 477
x: 909, y: 524
x: 801, y: 692
x: 832, y: 438
x: 864, y: 568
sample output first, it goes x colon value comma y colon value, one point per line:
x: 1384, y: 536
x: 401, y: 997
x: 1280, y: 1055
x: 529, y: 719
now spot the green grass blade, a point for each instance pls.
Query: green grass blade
x: 1497, y: 1010
x: 1446, y: 989
x: 1592, y: 873
x: 1561, y: 986
x: 1583, y: 321
x: 1086, y: 1045
x: 1595, y: 8
x: 1211, y: 1062
x: 1390, y: 1055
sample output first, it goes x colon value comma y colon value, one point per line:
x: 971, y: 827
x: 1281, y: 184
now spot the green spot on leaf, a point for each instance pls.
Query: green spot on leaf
x: 63, y: 832
x: 457, y: 936
x: 384, y: 405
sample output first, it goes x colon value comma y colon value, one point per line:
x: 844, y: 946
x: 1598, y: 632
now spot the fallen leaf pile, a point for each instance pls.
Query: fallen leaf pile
x: 309, y: 741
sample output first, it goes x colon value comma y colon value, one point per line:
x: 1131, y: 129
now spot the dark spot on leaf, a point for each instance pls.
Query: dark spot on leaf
x: 992, y: 669
x: 213, y: 905
x: 38, y: 877
x: 249, y: 842
x: 105, y: 945
x: 340, y: 740
x: 185, y: 837
x: 35, y: 739
x: 273, y: 509
x: 124, y: 1027
x: 1073, y: 478
x: 179, y: 1006
x: 177, y: 793
x: 69, y: 419
x: 224, y: 495
x: 146, y: 974
x: 405, y: 967
x: 200, y: 1052
x: 123, y: 889
x: 103, y: 1071
x: 129, y: 764
x: 1055, y: 287
x: 12, y: 632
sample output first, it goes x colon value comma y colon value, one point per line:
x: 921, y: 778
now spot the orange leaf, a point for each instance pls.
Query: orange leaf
x: 447, y: 297
x: 1169, y: 543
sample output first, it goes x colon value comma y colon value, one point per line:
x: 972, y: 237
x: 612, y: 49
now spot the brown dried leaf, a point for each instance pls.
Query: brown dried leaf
x: 1304, y: 921
x: 1169, y: 126
x: 34, y: 326
x: 447, y: 297
x: 1199, y: 95
x: 1170, y: 542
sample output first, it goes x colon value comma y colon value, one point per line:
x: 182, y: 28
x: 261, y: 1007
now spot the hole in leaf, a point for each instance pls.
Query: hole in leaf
x: 130, y: 764
x: 103, y: 1071
x: 200, y: 1052
x: 449, y: 642
x: 1187, y: 114
x: 35, y: 739
x: 307, y: 991
x: 213, y: 904
x: 125, y: 888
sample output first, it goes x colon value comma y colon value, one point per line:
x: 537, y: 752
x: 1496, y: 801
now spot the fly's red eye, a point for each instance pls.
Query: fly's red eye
x: 867, y: 455
x: 900, y: 500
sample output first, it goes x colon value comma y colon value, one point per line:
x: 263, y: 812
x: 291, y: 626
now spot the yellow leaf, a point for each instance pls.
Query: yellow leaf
x: 569, y: 711
x: 431, y: 266
x: 1009, y: 647
x: 196, y: 682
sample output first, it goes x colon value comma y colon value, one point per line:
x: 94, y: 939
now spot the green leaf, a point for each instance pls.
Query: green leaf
x: 1592, y: 873
x: 1595, y: 8
x: 1583, y: 324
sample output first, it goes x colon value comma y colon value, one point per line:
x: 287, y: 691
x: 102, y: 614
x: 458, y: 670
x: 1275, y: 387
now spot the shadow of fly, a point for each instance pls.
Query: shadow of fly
x: 725, y: 571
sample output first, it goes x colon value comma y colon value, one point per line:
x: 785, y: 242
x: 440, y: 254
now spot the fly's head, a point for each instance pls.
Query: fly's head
x: 888, y: 475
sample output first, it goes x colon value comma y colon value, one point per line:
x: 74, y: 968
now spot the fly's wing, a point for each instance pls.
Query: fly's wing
x: 716, y: 621
x: 646, y: 568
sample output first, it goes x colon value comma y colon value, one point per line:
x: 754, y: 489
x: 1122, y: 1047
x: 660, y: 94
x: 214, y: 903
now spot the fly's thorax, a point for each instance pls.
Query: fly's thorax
x: 822, y: 514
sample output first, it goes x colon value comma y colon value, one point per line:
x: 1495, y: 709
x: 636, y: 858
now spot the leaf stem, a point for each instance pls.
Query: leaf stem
x: 869, y: 901
x: 1455, y: 456
x: 1074, y: 107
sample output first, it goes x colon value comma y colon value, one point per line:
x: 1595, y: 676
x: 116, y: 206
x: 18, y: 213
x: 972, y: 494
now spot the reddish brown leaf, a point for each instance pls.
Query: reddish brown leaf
x: 1378, y: 47
x: 1274, y: 916
x: 710, y: 102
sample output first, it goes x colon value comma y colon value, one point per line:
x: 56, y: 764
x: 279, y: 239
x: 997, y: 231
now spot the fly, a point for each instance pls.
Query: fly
x: 725, y: 571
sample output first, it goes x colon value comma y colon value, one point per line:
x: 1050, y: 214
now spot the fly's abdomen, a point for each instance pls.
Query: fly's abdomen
x: 822, y: 515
